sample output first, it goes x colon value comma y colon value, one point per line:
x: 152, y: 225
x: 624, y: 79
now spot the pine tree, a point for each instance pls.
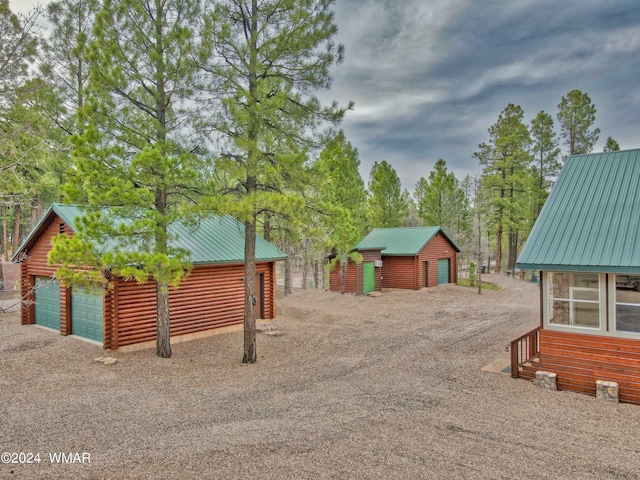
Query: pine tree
x: 546, y: 153
x: 18, y: 47
x: 611, y: 145
x: 342, y: 197
x: 21, y: 146
x: 443, y: 202
x: 270, y: 57
x: 388, y: 203
x: 506, y: 159
x: 65, y: 64
x: 576, y: 115
x: 132, y: 153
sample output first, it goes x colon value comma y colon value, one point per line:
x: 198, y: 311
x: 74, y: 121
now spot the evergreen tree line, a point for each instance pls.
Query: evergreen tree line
x: 168, y: 111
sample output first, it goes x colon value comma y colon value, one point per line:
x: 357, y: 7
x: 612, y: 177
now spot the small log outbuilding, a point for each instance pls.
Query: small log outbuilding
x: 586, y: 246
x: 210, y: 300
x: 404, y: 257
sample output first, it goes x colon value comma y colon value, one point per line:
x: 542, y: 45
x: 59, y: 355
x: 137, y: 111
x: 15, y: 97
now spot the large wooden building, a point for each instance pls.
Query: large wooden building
x: 210, y: 298
x: 586, y: 244
x: 404, y: 257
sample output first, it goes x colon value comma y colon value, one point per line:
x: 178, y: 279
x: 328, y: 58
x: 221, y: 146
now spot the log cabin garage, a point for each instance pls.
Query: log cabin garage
x: 403, y: 257
x: 210, y: 300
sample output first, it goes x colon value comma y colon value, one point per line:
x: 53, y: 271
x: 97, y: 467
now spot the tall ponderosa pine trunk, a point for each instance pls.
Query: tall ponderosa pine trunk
x: 17, y: 217
x: 4, y: 250
x: 287, y: 274
x: 36, y: 211
x: 499, y: 248
x: 163, y: 327
x: 305, y: 268
x: 316, y: 273
x: 250, y: 298
x: 267, y: 228
x: 163, y: 322
x: 513, y: 251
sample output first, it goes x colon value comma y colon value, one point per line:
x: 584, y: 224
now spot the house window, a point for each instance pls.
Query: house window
x: 627, y: 303
x: 574, y: 299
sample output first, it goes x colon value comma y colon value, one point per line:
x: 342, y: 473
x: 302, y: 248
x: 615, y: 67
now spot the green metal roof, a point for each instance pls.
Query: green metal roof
x: 214, y: 239
x: 401, y: 241
x: 591, y: 220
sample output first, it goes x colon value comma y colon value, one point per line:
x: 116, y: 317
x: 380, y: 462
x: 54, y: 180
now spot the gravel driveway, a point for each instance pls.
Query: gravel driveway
x: 365, y: 388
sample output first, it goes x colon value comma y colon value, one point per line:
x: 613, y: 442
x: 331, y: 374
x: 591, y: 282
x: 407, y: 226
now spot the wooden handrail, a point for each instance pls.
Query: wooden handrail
x: 523, y: 349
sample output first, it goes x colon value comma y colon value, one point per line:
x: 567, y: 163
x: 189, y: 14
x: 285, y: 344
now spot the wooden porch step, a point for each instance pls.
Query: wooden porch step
x: 529, y: 369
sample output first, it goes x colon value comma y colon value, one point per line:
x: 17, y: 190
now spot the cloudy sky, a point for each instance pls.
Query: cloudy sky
x: 429, y: 77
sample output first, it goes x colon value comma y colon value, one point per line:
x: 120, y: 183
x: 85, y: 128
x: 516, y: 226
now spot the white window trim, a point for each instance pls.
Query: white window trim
x: 572, y: 301
x: 613, y: 319
x: 602, y: 317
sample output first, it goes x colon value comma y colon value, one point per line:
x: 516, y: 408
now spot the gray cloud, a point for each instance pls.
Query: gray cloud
x: 430, y: 77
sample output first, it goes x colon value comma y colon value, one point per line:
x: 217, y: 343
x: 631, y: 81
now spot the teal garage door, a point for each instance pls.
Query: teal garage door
x: 443, y: 271
x: 86, y: 312
x: 369, y: 277
x: 47, y: 299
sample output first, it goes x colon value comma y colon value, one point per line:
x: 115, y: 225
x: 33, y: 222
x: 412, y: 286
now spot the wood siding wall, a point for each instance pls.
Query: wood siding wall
x: 409, y: 272
x: 349, y: 280
x: 38, y: 255
x: 398, y: 272
x: 27, y: 316
x: 211, y: 297
x: 580, y: 359
x: 354, y: 278
x: 438, y: 248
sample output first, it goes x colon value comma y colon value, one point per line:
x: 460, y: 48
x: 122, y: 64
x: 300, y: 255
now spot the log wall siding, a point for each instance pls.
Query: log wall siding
x: 581, y: 359
x: 65, y: 310
x: 437, y: 248
x: 210, y: 297
x: 27, y: 316
x: 270, y: 287
x: 107, y: 316
x: 38, y: 256
x: 408, y: 272
x: 349, y: 281
x: 354, y: 278
x: 398, y: 272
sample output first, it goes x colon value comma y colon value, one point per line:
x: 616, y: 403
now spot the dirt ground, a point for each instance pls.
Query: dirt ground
x: 355, y: 387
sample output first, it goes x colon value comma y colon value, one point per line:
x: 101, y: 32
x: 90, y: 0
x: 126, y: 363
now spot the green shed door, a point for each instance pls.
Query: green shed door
x: 369, y: 277
x: 47, y: 299
x: 443, y: 271
x: 86, y: 312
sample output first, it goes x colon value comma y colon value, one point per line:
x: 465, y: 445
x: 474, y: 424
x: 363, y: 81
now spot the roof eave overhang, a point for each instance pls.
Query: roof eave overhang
x: 547, y: 267
x: 367, y: 249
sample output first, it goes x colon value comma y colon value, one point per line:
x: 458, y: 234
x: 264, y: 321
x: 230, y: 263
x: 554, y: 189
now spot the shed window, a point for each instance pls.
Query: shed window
x: 627, y: 303
x: 574, y: 299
